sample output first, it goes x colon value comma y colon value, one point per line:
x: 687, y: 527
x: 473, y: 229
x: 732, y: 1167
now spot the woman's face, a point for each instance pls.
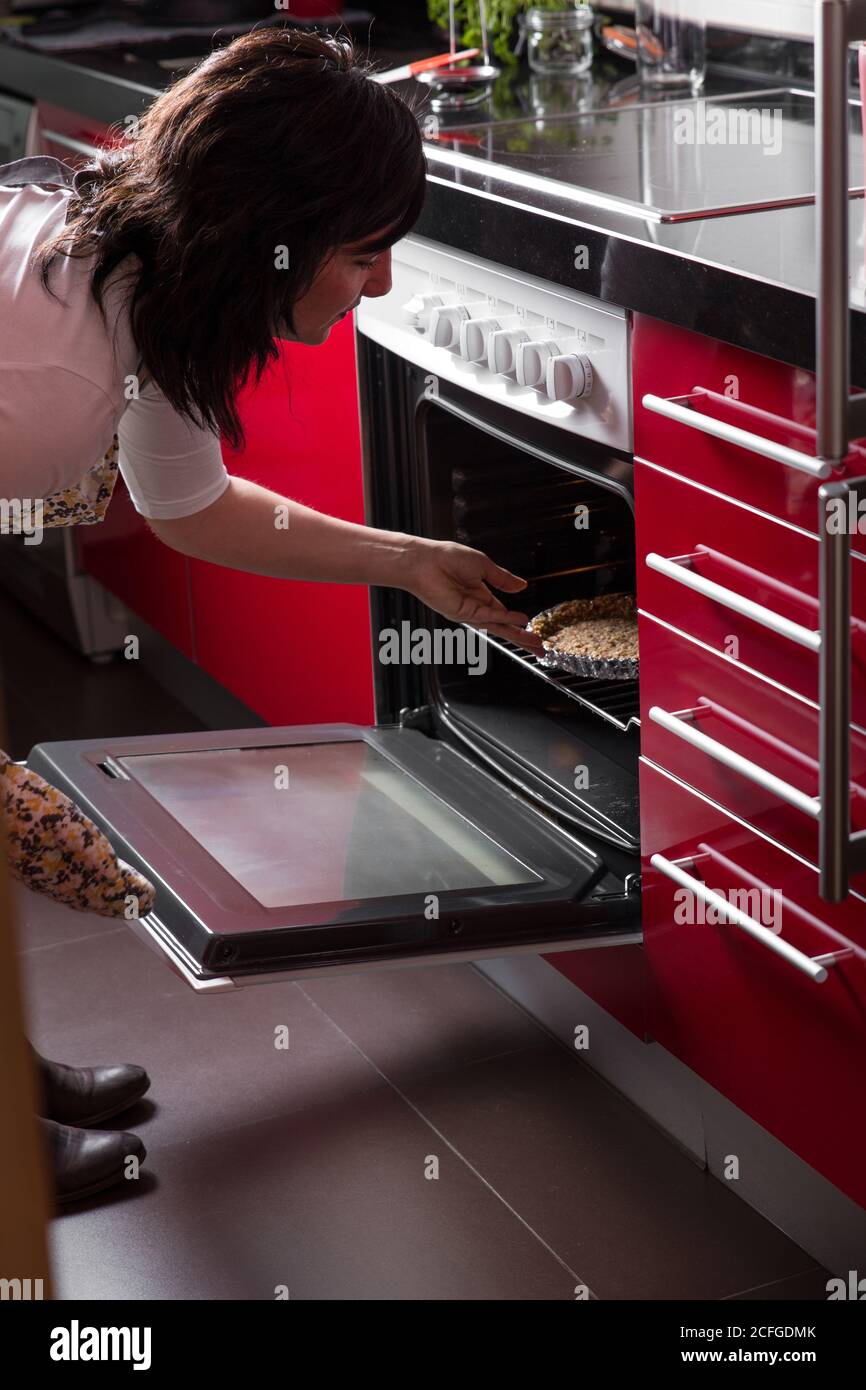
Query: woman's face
x: 350, y: 275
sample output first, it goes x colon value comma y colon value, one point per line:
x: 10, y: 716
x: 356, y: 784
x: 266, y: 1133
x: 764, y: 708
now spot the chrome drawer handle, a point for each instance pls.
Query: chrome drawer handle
x: 678, y: 571
x: 675, y: 409
x: 736, y: 762
x: 731, y: 913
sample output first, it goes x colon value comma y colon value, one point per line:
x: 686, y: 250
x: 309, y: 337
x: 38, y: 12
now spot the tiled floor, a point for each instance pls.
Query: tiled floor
x: 52, y: 692
x: 420, y: 1137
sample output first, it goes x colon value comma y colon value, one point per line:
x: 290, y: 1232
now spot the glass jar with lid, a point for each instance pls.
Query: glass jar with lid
x: 557, y: 41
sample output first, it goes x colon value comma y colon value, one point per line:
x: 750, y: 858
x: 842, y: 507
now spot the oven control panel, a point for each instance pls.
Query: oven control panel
x: 538, y: 347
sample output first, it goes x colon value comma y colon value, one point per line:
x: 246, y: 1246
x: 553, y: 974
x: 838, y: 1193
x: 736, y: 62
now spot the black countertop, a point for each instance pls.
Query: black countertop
x: 747, y: 279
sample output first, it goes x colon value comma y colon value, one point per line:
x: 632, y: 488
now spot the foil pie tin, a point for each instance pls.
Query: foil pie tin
x: 616, y: 668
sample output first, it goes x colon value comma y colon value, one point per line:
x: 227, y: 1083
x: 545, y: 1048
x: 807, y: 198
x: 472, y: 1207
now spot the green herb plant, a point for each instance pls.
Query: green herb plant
x: 501, y: 17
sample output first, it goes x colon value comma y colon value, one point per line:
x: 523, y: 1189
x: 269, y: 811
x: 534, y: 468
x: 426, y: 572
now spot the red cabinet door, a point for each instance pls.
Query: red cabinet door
x: 786, y: 1049
x: 296, y: 653
x: 615, y: 979
x: 745, y: 391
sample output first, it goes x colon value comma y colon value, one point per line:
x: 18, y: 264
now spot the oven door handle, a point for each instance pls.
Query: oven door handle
x: 729, y: 912
x: 753, y: 772
x: 680, y: 408
x: 678, y: 570
x: 613, y: 483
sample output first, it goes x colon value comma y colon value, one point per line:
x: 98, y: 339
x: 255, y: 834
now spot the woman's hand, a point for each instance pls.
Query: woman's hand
x: 453, y: 580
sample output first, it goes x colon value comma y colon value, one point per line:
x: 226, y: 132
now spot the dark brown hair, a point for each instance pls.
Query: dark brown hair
x: 280, y: 139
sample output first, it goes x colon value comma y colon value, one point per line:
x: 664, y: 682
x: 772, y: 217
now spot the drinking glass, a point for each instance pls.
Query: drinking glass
x: 671, y: 43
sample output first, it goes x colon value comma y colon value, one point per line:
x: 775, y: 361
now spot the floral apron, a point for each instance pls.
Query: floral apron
x: 51, y: 845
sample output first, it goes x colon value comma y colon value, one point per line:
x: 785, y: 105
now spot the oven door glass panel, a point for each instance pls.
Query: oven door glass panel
x: 286, y: 851
x: 321, y: 823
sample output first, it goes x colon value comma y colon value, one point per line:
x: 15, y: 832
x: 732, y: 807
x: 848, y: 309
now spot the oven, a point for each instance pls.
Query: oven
x: 493, y: 807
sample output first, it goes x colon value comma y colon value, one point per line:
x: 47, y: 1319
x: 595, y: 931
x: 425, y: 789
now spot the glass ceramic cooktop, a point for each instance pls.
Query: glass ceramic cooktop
x: 676, y: 160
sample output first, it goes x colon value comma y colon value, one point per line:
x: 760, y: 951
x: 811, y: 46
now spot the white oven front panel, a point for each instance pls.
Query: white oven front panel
x: 493, y: 331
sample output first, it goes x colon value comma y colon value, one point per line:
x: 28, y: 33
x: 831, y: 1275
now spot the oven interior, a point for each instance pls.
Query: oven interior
x: 572, y: 743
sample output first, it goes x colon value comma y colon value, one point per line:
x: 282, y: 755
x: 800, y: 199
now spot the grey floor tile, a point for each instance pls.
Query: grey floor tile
x: 611, y: 1195
x: 811, y: 1287
x: 332, y: 1203
x: 104, y: 976
x: 41, y: 922
x: 413, y: 1023
x: 212, y: 1060
x: 56, y: 693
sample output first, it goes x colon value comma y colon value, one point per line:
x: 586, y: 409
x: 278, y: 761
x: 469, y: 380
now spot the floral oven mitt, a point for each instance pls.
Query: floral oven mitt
x: 54, y: 848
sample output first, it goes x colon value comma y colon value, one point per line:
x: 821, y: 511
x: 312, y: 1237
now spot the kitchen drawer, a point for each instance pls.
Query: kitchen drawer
x: 765, y: 561
x: 748, y: 716
x: 786, y: 1049
x: 670, y: 362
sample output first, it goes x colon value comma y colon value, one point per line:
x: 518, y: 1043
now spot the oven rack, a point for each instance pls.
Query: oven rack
x: 616, y: 701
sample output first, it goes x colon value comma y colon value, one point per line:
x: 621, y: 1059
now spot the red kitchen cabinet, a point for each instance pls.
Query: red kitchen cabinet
x: 783, y: 1048
x: 614, y: 979
x: 786, y: 1048
x: 670, y: 361
x: 295, y: 652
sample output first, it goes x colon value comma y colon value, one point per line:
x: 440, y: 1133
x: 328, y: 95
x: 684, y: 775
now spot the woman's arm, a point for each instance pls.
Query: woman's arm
x: 250, y: 528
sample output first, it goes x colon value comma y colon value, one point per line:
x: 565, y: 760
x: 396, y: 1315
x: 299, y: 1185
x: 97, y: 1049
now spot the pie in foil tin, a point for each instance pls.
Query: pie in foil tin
x: 593, y: 637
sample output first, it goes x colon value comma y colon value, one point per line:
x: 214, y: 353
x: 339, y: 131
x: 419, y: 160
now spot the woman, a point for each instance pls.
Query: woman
x: 258, y: 199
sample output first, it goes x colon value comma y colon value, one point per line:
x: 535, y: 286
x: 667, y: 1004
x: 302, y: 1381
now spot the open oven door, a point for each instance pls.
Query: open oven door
x: 280, y: 853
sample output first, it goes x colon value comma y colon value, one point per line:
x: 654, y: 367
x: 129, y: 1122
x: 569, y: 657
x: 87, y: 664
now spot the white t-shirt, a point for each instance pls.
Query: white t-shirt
x: 65, y: 379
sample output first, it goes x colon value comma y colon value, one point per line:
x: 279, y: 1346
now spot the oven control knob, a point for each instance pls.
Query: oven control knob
x: 475, y: 335
x: 444, y: 329
x: 502, y: 351
x: 417, y: 311
x: 532, y: 359
x: 569, y: 377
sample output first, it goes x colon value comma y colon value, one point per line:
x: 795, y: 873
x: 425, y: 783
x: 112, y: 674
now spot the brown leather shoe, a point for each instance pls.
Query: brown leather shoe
x: 86, y: 1161
x: 83, y: 1096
